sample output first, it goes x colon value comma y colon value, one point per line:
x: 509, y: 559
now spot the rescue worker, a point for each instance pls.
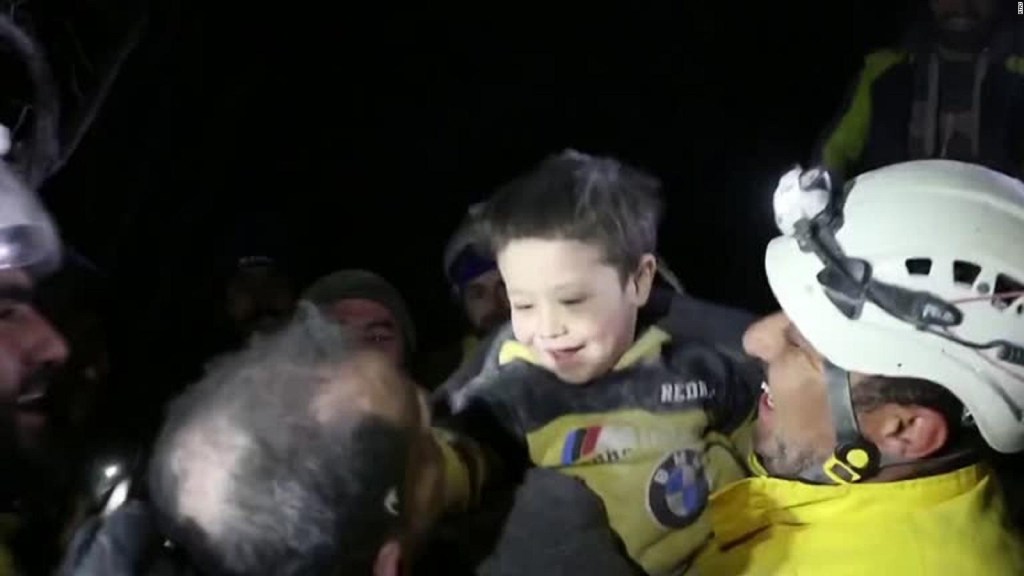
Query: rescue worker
x: 474, y: 279
x: 898, y: 354
x: 952, y: 90
x: 31, y: 349
x: 369, y: 306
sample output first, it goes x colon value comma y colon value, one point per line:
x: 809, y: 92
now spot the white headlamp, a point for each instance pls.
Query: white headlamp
x: 800, y: 195
x: 28, y: 236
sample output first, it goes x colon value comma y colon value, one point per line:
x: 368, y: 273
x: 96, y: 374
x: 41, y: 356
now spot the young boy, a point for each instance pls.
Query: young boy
x: 599, y: 376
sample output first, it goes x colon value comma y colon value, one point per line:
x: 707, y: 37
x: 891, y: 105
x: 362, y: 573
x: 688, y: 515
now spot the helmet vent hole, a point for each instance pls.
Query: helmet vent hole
x: 965, y: 272
x: 1007, y: 290
x: 919, y: 266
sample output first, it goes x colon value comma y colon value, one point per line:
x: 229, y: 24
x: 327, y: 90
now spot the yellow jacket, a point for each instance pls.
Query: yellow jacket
x: 8, y: 523
x: 951, y: 523
x: 6, y: 568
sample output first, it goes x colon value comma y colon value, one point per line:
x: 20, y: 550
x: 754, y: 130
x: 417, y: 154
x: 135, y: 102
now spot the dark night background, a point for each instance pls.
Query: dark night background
x: 358, y: 135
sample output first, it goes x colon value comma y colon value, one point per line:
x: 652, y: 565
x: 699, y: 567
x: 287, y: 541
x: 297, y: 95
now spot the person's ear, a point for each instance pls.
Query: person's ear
x: 643, y: 278
x: 389, y: 559
x: 906, y: 432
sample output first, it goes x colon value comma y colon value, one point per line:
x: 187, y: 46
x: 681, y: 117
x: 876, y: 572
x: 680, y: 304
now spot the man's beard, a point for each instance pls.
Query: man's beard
x: 28, y: 457
x: 490, y: 323
x: 23, y: 466
x: 787, y: 461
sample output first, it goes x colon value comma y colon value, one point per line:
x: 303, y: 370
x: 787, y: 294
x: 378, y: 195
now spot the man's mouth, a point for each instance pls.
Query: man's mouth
x: 766, y: 397
x: 34, y: 395
x: 32, y: 401
x: 32, y: 411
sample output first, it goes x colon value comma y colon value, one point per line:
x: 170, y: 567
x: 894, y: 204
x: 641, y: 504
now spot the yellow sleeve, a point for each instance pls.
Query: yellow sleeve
x: 8, y: 523
x: 5, y: 563
x: 844, y: 146
x: 464, y: 467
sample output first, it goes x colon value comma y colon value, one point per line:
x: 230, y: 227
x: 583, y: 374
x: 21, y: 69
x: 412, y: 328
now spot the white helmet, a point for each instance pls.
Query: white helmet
x: 946, y: 229
x: 28, y: 237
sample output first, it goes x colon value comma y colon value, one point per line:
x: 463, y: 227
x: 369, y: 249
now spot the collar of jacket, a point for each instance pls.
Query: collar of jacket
x: 646, y: 347
x: 754, y: 504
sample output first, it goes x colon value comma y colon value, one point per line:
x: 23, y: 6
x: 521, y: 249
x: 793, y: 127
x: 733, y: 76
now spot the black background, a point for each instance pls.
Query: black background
x: 356, y: 136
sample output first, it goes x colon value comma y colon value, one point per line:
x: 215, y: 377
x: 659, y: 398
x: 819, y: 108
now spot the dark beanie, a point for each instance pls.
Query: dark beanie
x: 364, y: 285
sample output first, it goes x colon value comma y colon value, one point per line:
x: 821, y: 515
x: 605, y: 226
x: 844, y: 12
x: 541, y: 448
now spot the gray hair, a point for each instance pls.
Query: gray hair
x: 576, y: 196
x: 248, y: 480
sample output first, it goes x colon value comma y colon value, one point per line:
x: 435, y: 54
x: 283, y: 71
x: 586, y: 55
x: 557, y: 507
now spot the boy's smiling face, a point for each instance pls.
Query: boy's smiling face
x: 570, y: 306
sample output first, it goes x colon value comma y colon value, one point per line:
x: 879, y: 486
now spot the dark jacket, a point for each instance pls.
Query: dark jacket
x: 673, y: 401
x: 892, y: 113
x: 555, y: 526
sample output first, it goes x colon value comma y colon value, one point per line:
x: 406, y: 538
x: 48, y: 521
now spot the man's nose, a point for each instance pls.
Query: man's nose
x: 44, y: 345
x: 766, y: 338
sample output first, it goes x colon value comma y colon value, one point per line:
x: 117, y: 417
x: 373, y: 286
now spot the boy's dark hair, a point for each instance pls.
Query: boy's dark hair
x: 575, y: 196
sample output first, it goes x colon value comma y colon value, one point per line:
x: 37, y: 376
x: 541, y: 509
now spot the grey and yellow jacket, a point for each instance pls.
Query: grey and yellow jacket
x: 652, y: 438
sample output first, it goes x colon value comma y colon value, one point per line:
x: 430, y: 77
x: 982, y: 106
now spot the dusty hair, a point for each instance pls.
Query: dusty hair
x: 249, y: 480
x: 574, y: 196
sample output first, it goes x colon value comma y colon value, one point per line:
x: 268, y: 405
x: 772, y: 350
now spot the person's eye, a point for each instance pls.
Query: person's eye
x: 522, y: 307
x: 8, y: 310
x: 573, y: 301
x: 380, y: 337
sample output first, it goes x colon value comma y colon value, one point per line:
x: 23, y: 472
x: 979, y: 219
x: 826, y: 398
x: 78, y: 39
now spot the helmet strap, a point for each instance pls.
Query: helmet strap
x: 854, y: 457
